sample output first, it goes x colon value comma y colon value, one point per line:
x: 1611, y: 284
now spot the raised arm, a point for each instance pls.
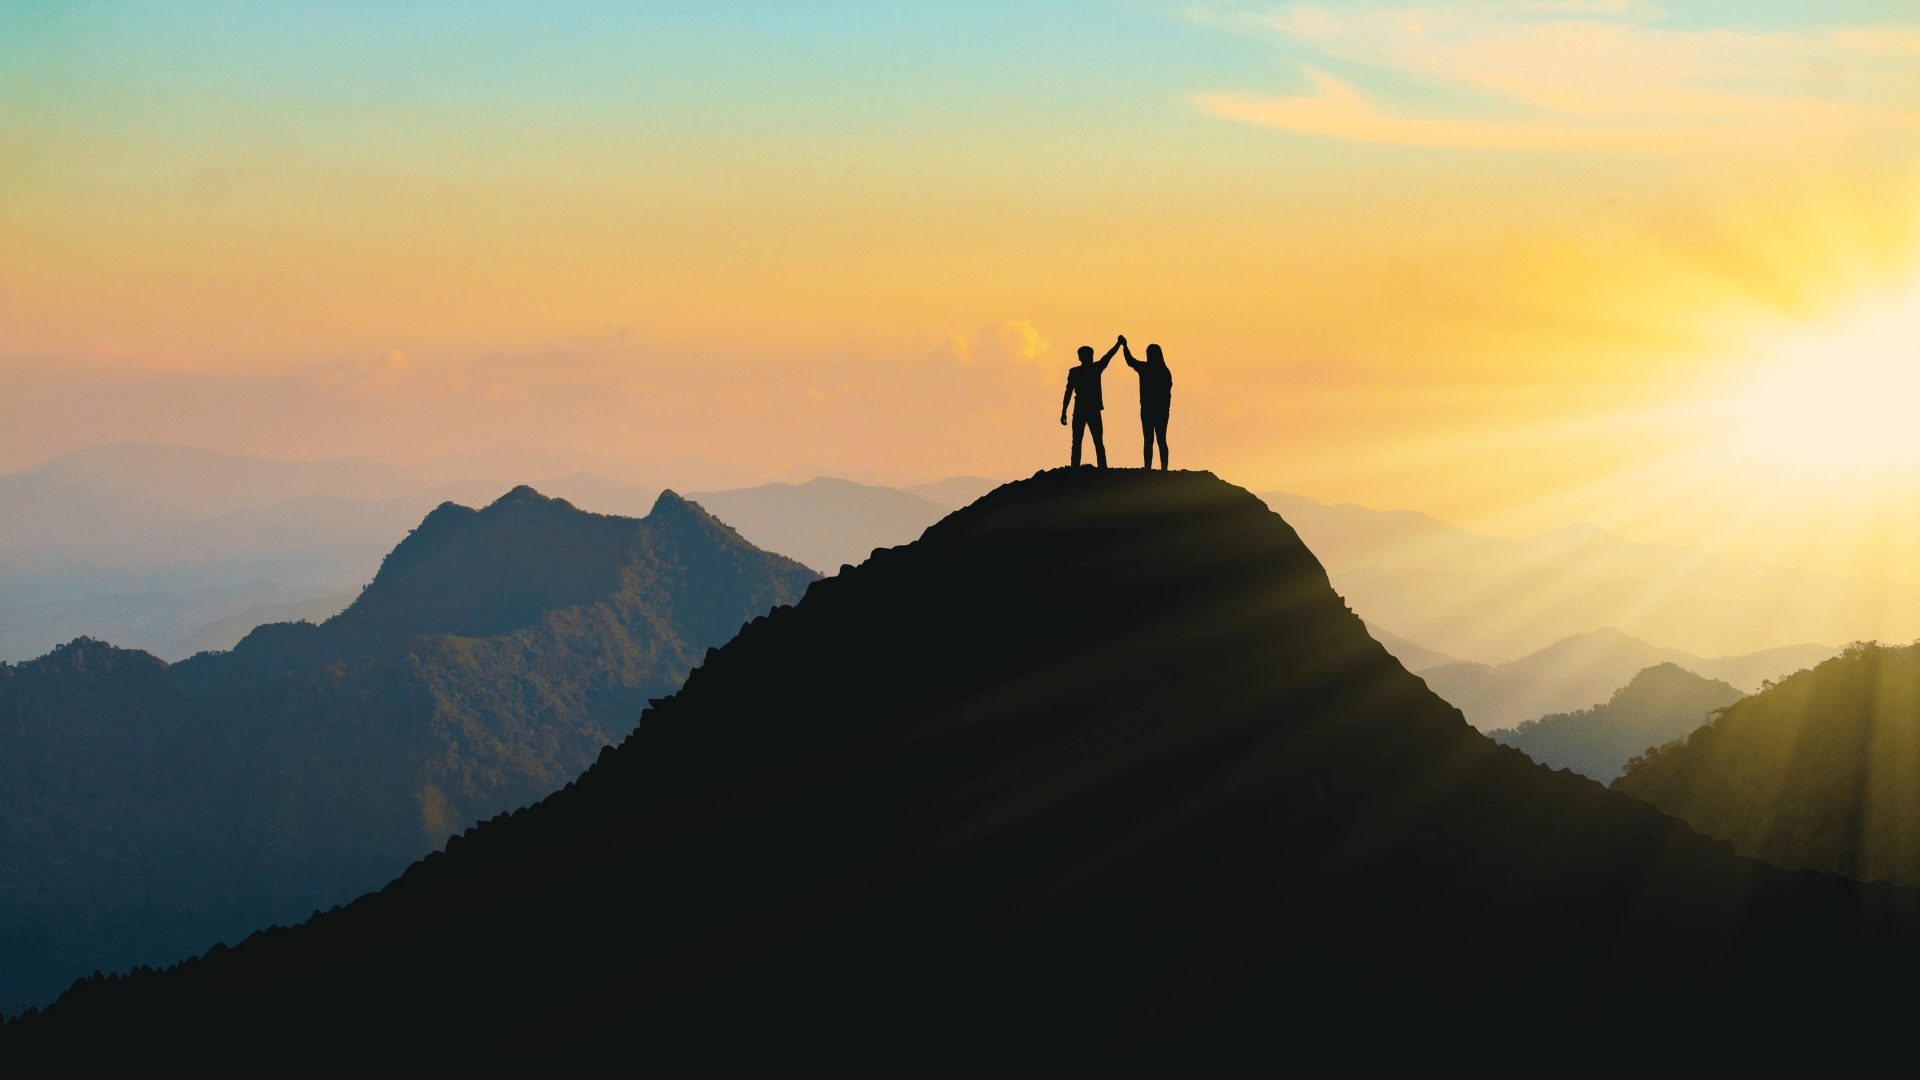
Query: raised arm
x: 1107, y: 359
x: 1128, y: 353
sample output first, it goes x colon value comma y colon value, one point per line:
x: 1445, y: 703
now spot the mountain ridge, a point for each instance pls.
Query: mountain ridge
x: 1660, y: 704
x: 1140, y: 785
x: 486, y: 664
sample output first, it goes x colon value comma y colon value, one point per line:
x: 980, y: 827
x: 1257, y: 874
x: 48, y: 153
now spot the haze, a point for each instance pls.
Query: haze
x: 1651, y: 267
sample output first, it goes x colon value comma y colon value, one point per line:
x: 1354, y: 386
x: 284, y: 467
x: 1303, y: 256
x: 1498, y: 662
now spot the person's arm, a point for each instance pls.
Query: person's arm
x: 1136, y: 365
x: 1066, y: 399
x: 1107, y: 359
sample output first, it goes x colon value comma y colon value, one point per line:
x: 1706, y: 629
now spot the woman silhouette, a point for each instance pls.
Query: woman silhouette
x: 1156, y: 399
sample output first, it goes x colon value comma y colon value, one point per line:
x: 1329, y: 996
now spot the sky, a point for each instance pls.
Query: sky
x: 1516, y: 265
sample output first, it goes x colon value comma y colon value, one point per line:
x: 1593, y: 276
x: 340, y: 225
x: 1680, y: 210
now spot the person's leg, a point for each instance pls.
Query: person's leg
x: 1160, y: 429
x: 1146, y: 437
x: 1079, y: 429
x: 1099, y: 444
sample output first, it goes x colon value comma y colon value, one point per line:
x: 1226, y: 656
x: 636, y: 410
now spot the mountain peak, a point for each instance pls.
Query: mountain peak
x: 671, y: 502
x: 1136, y: 778
x: 524, y: 494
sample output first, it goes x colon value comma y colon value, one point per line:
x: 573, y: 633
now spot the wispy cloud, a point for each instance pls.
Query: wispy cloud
x: 1590, y: 77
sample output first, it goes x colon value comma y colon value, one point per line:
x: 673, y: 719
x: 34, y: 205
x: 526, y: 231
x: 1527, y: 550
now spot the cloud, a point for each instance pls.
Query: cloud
x: 1010, y: 344
x: 1587, y: 77
x: 1344, y: 114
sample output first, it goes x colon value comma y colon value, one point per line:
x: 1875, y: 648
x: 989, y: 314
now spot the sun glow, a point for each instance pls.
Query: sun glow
x: 1839, y: 398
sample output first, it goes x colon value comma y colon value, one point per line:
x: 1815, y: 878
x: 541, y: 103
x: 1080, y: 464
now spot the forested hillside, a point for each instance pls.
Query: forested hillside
x: 147, y: 811
x: 1820, y: 771
x: 1661, y: 703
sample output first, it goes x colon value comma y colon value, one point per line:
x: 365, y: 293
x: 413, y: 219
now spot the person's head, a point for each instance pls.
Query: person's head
x: 1154, y: 357
x: 1086, y: 354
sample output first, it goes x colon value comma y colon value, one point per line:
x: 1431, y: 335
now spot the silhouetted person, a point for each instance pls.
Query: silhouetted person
x: 1085, y: 381
x: 1156, y: 399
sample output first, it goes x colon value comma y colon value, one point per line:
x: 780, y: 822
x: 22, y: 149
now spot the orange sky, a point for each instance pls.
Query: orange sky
x: 1513, y: 265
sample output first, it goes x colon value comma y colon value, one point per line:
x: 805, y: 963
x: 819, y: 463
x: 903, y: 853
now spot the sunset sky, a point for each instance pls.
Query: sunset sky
x: 1653, y: 266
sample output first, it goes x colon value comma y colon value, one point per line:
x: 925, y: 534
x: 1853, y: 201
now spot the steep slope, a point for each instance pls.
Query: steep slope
x: 824, y: 522
x: 1662, y: 703
x: 1412, y: 656
x: 1821, y: 771
x: 1101, y: 765
x: 493, y: 655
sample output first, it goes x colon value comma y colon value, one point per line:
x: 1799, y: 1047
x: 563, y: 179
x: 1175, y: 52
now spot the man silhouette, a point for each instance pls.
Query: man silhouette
x: 1085, y: 381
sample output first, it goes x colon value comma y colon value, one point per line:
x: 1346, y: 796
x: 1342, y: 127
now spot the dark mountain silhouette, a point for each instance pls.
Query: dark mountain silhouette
x: 1100, y: 769
x: 148, y: 809
x: 1820, y: 771
x: 1662, y: 703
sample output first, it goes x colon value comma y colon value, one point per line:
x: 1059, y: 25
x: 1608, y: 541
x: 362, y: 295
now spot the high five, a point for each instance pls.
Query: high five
x: 1156, y: 399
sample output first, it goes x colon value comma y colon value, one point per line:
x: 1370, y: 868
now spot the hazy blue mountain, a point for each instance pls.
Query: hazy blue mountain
x: 1611, y: 653
x: 148, y: 576
x: 223, y: 634
x: 955, y: 491
x: 147, y: 808
x: 80, y: 523
x: 1585, y: 669
x: 1411, y: 656
x: 1658, y: 705
x: 205, y: 483
x: 171, y: 625
x: 596, y: 493
x: 136, y: 543
x: 1490, y: 599
x: 825, y: 523
x: 1490, y: 699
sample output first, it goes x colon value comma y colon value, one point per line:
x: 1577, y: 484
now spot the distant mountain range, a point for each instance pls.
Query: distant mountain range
x: 825, y: 523
x: 1585, y: 669
x: 1662, y: 703
x: 1412, y: 656
x: 170, y: 549
x: 146, y: 544
x: 1098, y: 771
x: 955, y: 491
x: 147, y: 810
x: 1490, y: 599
